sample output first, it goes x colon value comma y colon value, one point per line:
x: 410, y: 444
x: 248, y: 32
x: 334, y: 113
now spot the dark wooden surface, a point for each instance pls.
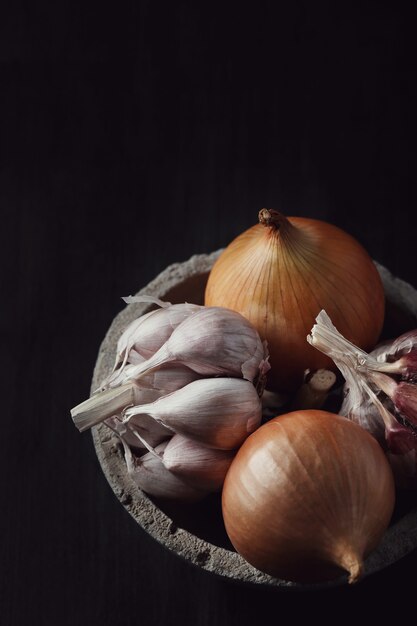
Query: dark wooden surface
x: 131, y: 138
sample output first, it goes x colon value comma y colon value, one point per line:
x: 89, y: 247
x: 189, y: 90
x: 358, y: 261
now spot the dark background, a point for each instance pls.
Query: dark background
x: 134, y: 136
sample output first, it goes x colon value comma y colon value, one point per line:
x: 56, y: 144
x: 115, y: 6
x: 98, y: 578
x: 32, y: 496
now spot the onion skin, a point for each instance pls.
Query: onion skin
x: 281, y: 273
x: 308, y: 495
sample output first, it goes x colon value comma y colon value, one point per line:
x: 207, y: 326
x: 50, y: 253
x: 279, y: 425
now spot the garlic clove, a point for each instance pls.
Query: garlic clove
x: 219, y: 412
x: 400, y: 439
x: 405, y: 400
x: 127, y: 339
x: 152, y: 477
x: 202, y: 467
x: 150, y: 430
x: 158, y: 326
x: 146, y: 334
x: 213, y: 341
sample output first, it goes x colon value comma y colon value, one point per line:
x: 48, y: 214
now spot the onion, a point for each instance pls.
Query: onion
x: 280, y: 273
x: 308, y: 494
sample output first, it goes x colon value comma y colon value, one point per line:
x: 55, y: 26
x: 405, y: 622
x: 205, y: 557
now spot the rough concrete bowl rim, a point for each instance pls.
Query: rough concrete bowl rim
x: 399, y: 540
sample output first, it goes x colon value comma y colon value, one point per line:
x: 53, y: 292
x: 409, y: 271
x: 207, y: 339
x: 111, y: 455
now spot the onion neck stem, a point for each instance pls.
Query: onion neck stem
x: 353, y: 565
x: 273, y: 219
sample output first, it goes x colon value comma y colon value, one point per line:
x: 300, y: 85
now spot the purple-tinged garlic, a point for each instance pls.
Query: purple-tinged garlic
x: 213, y: 341
x: 402, y: 394
x: 387, y: 408
x: 218, y: 412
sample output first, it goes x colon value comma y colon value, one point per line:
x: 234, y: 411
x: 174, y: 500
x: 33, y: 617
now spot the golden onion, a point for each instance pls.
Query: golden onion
x: 308, y: 495
x: 281, y: 273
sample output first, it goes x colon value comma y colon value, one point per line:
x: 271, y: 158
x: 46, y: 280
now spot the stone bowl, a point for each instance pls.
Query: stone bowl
x: 196, y: 532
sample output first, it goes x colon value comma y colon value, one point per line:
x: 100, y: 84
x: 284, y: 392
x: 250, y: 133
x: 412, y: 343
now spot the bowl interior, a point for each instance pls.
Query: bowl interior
x: 196, y: 531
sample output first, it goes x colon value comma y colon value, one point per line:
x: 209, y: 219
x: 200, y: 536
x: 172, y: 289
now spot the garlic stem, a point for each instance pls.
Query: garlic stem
x: 313, y: 392
x: 102, y: 405
x: 325, y: 337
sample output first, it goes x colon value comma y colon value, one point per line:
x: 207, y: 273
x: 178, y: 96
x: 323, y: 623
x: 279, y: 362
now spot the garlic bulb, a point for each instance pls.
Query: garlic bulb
x: 280, y: 273
x: 184, y: 393
x: 386, y: 407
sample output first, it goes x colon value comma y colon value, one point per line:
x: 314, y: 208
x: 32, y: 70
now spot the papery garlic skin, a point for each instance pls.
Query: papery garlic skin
x: 123, y: 432
x: 218, y: 412
x: 360, y: 408
x: 166, y: 378
x: 150, y: 430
